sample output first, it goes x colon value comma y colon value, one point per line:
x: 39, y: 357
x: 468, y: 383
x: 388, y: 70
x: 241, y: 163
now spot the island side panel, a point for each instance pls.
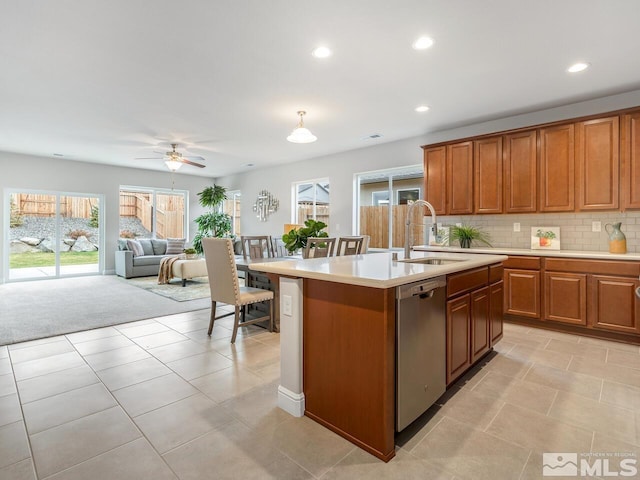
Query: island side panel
x: 349, y: 362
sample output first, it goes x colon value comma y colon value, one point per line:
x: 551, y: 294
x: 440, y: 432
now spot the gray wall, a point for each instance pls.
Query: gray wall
x: 341, y: 167
x: 39, y: 173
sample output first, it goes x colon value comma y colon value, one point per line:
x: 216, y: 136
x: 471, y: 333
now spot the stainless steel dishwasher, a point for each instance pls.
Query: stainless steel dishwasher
x: 420, y: 348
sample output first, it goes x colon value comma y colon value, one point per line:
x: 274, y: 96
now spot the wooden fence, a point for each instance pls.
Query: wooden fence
x: 169, y: 210
x: 305, y: 212
x: 374, y: 221
x: 36, y: 205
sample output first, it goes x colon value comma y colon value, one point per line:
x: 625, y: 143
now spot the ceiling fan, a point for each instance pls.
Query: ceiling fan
x: 174, y: 160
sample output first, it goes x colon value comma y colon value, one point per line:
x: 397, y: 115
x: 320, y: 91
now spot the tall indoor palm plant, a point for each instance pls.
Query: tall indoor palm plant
x: 214, y: 223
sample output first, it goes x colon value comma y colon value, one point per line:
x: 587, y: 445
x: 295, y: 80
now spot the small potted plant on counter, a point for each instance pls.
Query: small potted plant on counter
x: 466, y: 234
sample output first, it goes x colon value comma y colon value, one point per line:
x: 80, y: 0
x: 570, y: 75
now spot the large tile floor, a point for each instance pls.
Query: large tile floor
x: 158, y: 399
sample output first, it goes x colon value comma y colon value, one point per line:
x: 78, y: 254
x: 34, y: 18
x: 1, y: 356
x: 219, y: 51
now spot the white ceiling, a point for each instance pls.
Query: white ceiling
x: 108, y: 81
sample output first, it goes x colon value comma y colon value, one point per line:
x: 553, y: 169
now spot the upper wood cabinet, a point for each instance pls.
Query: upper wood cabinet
x: 597, y: 158
x: 460, y: 178
x: 487, y: 164
x: 630, y: 164
x: 435, y: 178
x: 520, y: 172
x: 557, y: 169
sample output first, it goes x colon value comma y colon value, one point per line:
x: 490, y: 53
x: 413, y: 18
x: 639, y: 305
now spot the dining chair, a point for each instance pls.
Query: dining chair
x: 349, y: 245
x: 225, y: 288
x: 319, y: 247
x: 256, y: 246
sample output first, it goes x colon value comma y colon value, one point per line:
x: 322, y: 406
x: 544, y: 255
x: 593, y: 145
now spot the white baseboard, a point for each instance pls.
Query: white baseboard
x: 292, y: 403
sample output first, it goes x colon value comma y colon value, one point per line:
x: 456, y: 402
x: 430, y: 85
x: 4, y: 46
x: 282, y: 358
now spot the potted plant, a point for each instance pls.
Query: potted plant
x: 545, y: 238
x: 190, y: 253
x: 466, y: 234
x: 214, y: 223
x: 297, y: 238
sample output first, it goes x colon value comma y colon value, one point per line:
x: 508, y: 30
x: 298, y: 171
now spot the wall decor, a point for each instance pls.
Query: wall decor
x: 265, y: 205
x: 545, y: 238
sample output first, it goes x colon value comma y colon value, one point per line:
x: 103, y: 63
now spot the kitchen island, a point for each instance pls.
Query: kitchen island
x: 338, y: 336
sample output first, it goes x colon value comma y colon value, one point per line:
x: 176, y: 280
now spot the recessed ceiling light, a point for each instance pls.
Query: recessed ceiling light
x: 577, y: 67
x: 250, y: 164
x: 58, y: 155
x: 321, y: 52
x: 422, y: 108
x: 422, y: 43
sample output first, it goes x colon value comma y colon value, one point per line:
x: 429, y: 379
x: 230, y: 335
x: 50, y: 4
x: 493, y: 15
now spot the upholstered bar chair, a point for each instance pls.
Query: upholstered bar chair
x: 225, y: 288
x: 256, y: 246
x: 349, y: 245
x: 319, y: 247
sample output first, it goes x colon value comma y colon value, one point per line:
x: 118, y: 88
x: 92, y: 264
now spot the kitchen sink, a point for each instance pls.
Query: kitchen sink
x: 432, y: 261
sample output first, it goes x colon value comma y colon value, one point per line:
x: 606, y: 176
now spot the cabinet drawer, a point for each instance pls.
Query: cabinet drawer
x: 602, y: 267
x: 465, y: 281
x: 527, y: 263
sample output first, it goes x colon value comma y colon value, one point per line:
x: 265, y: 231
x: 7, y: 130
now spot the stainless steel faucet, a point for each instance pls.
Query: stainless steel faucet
x: 407, y: 228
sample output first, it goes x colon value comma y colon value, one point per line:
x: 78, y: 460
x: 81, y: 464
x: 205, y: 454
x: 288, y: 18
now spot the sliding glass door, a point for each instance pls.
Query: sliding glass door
x: 53, y: 234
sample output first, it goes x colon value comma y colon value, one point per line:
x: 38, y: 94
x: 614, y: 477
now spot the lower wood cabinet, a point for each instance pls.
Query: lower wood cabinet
x: 565, y: 297
x: 522, y: 292
x: 474, y: 319
x: 458, y: 336
x: 496, y: 296
x: 589, y: 296
x: 614, y: 305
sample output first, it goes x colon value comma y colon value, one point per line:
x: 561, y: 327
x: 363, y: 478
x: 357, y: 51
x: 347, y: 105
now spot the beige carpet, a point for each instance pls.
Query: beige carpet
x: 45, y: 308
x: 196, y: 288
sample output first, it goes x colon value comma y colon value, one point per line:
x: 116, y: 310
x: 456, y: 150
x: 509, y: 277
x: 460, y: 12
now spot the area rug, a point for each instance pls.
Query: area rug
x: 195, y: 288
x: 45, y: 308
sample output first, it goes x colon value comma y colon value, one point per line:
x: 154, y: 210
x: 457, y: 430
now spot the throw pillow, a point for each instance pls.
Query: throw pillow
x: 122, y: 244
x: 135, y: 247
x: 159, y: 246
x: 146, y: 246
x: 175, y: 246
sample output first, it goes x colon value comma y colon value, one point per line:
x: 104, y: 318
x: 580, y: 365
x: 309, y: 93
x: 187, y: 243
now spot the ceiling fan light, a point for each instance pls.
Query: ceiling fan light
x: 173, y: 165
x: 301, y: 134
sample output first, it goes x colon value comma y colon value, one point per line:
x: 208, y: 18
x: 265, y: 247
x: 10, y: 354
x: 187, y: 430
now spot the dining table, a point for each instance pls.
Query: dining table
x: 267, y: 281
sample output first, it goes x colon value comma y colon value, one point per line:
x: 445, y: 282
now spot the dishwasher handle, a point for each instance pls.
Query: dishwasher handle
x: 424, y: 289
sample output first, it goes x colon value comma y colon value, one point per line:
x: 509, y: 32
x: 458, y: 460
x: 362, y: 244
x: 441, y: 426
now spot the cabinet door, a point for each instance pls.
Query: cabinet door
x: 435, y: 178
x: 460, y: 178
x: 565, y: 297
x: 597, y: 162
x: 458, y: 336
x: 522, y: 292
x: 496, y: 300
x: 520, y: 172
x: 557, y: 169
x: 613, y: 304
x: 630, y: 151
x: 487, y: 163
x: 480, y: 323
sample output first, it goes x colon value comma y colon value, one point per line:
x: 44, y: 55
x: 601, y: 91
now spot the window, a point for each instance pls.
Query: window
x: 311, y: 200
x: 231, y: 207
x: 152, y: 213
x: 383, y: 199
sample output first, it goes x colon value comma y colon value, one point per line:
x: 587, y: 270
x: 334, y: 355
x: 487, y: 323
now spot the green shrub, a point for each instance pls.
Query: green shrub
x: 94, y: 221
x: 15, y: 218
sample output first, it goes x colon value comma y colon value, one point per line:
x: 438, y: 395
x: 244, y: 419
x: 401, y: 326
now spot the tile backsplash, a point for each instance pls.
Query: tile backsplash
x: 575, y: 228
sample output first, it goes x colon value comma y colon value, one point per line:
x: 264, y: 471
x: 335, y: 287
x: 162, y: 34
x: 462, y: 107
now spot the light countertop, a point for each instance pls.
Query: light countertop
x: 377, y: 270
x: 598, y: 255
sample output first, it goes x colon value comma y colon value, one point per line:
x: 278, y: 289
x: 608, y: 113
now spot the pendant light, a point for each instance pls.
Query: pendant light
x: 301, y: 134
